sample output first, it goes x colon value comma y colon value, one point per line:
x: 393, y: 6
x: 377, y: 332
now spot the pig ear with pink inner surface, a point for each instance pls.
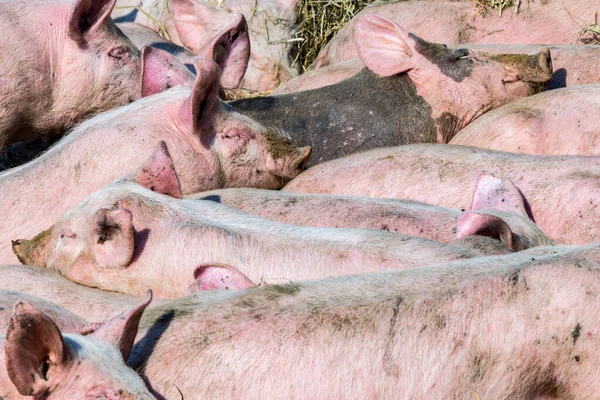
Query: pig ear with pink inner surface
x: 203, y: 100
x: 473, y: 223
x: 498, y: 193
x: 383, y: 46
x: 113, y: 238
x: 87, y: 16
x: 162, y: 71
x: 218, y: 277
x: 158, y: 173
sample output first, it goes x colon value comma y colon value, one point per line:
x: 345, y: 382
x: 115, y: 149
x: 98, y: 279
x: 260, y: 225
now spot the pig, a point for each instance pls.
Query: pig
x: 557, y: 122
x: 127, y: 238
x: 76, y: 63
x: 540, y: 22
x: 192, y: 23
x: 412, y: 91
x: 40, y: 361
x: 211, y: 147
x: 518, y: 326
x: 24, y: 282
x: 561, y: 193
x: 571, y: 65
x: 407, y: 217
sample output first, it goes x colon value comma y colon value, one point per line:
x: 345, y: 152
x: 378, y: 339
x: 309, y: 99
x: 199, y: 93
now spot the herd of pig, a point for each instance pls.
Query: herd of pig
x: 444, y: 243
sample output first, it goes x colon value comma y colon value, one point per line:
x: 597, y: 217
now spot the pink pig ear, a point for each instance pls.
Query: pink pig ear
x: 383, y: 46
x: 86, y: 16
x: 498, y: 194
x: 473, y: 223
x: 113, y: 239
x: 158, y: 173
x: 34, y: 347
x: 219, y: 277
x: 162, y: 71
x: 203, y: 100
x: 122, y: 329
x: 231, y: 51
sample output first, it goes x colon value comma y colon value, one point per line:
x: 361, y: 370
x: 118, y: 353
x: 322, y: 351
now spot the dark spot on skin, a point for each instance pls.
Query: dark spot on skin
x: 388, y: 366
x: 451, y: 62
x: 576, y: 333
x: 385, y: 227
x: 577, y: 358
x: 447, y: 126
x: 478, y: 372
x: 513, y: 278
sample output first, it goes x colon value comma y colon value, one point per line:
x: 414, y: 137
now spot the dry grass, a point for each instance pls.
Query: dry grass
x: 485, y: 6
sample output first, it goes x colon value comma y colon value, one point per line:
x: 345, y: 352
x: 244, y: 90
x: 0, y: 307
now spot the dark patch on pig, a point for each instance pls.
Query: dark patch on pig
x: 213, y: 197
x: 447, y: 126
x: 363, y: 112
x: 576, y: 333
x: 477, y: 370
x: 388, y: 364
x: 452, y: 62
x: 558, y: 80
x: 278, y: 146
x: 273, y: 292
x: 577, y: 358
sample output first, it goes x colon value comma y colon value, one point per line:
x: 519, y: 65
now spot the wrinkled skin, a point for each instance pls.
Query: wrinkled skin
x: 76, y: 63
x: 562, y: 192
x: 406, y: 217
x: 127, y: 238
x: 38, y: 360
x: 193, y: 22
x: 490, y: 324
x: 562, y: 121
x: 210, y: 145
x: 571, y: 65
x: 412, y: 92
x: 544, y: 22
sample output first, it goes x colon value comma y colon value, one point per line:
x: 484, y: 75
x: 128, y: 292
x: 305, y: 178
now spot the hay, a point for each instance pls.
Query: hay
x: 485, y: 6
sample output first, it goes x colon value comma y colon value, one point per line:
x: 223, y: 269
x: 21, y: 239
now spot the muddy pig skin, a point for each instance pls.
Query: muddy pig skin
x: 211, y: 147
x: 38, y: 360
x: 539, y: 22
x: 192, y: 23
x: 412, y: 91
x: 561, y: 193
x: 61, y: 62
x: 94, y: 305
x: 407, y: 217
x: 571, y: 65
x: 127, y: 238
x: 487, y: 326
x: 562, y: 121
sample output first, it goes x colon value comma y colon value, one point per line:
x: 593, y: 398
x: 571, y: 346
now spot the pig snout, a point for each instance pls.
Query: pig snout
x: 32, y: 252
x: 533, y: 69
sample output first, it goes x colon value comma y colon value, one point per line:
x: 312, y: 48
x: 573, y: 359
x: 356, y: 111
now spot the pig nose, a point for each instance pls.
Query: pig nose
x: 545, y: 60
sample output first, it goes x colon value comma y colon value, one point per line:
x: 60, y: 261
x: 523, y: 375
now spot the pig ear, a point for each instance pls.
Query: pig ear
x: 122, y: 329
x: 231, y: 51
x: 86, y: 16
x: 162, y: 71
x: 383, y: 46
x: 473, y: 223
x: 34, y: 346
x: 203, y: 99
x: 498, y: 194
x: 113, y: 240
x: 219, y: 277
x: 158, y: 173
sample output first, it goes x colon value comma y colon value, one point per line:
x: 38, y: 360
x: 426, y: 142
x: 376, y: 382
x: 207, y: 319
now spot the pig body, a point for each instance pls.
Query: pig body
x: 540, y: 22
x: 192, y: 23
x: 570, y: 62
x: 174, y: 246
x: 407, y: 217
x: 561, y: 192
x: 486, y: 326
x: 557, y: 122
x: 210, y: 148
x: 38, y: 361
x: 425, y: 94
x: 76, y: 63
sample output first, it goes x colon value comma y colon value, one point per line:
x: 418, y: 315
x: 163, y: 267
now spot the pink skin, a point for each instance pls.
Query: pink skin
x: 406, y: 217
x: 126, y: 238
x: 38, y: 360
x: 210, y: 146
x: 487, y: 326
x: 561, y: 191
x: 570, y: 62
x: 76, y: 63
x: 193, y: 23
x: 34, y: 283
x: 562, y: 121
x: 553, y: 22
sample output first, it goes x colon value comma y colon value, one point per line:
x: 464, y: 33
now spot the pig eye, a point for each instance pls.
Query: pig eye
x: 68, y: 235
x: 119, y: 53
